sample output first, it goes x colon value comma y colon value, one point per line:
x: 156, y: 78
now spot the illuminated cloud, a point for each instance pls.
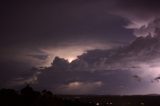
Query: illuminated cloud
x: 125, y: 70
x: 79, y: 45
x: 143, y: 16
x: 78, y: 87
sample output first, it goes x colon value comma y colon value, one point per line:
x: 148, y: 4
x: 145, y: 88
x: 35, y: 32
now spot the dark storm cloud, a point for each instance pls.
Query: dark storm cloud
x: 152, y: 6
x: 28, y: 27
x: 126, y: 70
x: 39, y: 56
x: 51, y: 22
x: 107, y: 84
x: 143, y: 15
x: 137, y: 9
x: 12, y: 70
x: 88, y: 82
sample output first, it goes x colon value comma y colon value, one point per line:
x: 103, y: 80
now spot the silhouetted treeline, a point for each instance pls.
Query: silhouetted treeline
x: 29, y: 97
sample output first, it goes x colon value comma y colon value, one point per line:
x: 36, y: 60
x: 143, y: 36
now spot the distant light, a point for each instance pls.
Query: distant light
x: 142, y: 103
x: 70, y: 59
x: 75, y: 84
x: 97, y: 104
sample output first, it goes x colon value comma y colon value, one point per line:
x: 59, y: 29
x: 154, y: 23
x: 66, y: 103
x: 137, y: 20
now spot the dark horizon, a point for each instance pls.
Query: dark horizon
x: 29, y: 97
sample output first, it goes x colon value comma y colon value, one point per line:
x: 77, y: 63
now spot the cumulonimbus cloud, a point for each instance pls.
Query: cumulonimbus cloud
x: 143, y: 16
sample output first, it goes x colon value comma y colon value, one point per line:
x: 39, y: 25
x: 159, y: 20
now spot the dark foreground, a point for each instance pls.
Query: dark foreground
x: 29, y: 97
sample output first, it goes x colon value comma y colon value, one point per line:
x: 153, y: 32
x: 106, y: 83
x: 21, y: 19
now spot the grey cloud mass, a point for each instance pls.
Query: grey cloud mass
x: 133, y: 69
x: 81, y: 46
x: 143, y: 15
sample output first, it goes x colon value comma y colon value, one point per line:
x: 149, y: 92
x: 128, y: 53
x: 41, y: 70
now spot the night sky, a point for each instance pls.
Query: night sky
x: 81, y: 46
